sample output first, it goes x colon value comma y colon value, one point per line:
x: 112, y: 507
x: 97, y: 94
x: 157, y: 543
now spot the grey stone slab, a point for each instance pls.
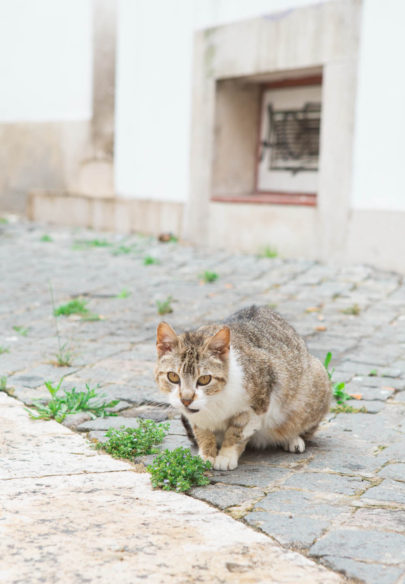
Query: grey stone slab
x: 394, y: 471
x: 252, y: 475
x: 299, y: 503
x: 377, y: 519
x: 371, y: 573
x: 109, y: 422
x: 290, y: 530
x: 224, y: 496
x: 362, y: 545
x: 135, y: 394
x: 388, y: 491
x: 329, y: 483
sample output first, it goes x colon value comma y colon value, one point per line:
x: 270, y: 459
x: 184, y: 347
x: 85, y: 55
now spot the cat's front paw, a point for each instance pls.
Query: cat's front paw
x: 295, y: 445
x: 226, y: 461
x: 206, y: 458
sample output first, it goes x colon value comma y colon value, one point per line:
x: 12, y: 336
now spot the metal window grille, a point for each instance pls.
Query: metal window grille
x: 292, y: 136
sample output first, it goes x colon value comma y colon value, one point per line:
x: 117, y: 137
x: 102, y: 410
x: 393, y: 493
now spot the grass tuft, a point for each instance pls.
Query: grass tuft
x: 125, y: 293
x: 353, y: 310
x: 268, y: 252
x: 339, y: 389
x: 164, y: 306
x: 4, y: 350
x: 131, y: 443
x: 72, y: 402
x: 46, y: 238
x: 150, y: 260
x: 21, y: 330
x: 208, y: 277
x: 76, y: 306
x: 178, y: 470
x: 3, y: 383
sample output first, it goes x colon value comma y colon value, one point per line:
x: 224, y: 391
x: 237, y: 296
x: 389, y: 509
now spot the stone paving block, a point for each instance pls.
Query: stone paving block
x: 290, y: 530
x: 362, y: 545
x: 252, y: 475
x: 377, y: 519
x: 329, y: 483
x: 115, y: 422
x: 134, y: 394
x: 394, y: 471
x: 371, y: 573
x: 300, y: 503
x: 224, y: 496
x: 388, y: 491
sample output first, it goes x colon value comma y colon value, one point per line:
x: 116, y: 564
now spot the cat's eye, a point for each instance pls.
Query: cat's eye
x: 173, y: 377
x: 204, y: 380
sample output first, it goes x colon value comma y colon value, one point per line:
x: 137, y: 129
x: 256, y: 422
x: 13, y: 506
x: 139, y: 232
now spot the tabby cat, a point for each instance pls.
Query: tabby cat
x: 247, y: 380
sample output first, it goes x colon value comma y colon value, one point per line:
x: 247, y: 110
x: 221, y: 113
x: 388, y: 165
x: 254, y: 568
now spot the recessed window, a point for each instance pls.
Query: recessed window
x: 289, y: 140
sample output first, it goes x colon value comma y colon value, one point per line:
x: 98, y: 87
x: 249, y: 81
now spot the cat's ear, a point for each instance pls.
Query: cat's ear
x: 220, y: 343
x: 166, y: 340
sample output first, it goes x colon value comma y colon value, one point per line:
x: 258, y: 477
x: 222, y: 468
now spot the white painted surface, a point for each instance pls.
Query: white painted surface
x: 154, y: 84
x: 45, y: 60
x: 379, y: 147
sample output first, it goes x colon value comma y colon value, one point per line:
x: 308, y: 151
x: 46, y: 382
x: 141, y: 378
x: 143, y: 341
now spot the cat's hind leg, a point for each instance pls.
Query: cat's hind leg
x: 296, y: 444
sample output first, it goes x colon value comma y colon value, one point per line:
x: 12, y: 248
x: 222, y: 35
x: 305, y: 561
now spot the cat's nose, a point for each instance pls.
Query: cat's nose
x: 186, y: 402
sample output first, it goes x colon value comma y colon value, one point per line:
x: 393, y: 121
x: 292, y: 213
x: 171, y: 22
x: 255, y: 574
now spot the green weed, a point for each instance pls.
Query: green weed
x: 4, y: 350
x: 150, y: 260
x: 345, y: 409
x: 268, y: 252
x: 3, y: 383
x: 46, y: 238
x: 353, y: 310
x: 124, y: 293
x: 72, y: 402
x: 21, y: 330
x: 123, y: 249
x: 75, y: 306
x: 178, y: 470
x: 131, y: 443
x: 208, y: 277
x: 64, y: 356
x: 164, y: 306
x: 3, y: 221
x: 89, y: 243
x: 339, y: 389
x: 373, y: 373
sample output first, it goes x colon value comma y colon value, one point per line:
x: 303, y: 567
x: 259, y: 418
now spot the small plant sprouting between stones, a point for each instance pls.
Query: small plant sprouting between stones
x: 208, y: 277
x: 87, y: 243
x: 123, y: 249
x: 46, y: 238
x: 75, y: 306
x: 353, y: 310
x: 150, y: 260
x: 178, y: 470
x: 21, y: 330
x: 268, y: 252
x: 131, y: 443
x: 64, y: 357
x: 373, y: 373
x: 345, y: 409
x: 125, y: 293
x: 4, y: 350
x: 339, y: 389
x: 72, y: 402
x: 3, y: 383
x: 164, y: 306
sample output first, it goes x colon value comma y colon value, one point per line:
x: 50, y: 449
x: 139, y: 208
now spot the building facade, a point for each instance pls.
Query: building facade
x: 231, y: 123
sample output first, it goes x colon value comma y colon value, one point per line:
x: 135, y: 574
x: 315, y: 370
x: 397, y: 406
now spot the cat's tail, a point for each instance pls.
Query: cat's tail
x: 189, y: 430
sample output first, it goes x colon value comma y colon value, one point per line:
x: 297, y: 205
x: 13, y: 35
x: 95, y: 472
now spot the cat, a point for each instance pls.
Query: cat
x: 247, y: 380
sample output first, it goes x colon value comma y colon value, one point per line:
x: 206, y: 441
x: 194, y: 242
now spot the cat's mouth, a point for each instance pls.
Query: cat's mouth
x: 191, y: 410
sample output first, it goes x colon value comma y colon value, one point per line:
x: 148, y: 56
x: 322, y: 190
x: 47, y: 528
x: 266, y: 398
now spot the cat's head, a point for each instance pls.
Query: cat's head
x: 192, y: 367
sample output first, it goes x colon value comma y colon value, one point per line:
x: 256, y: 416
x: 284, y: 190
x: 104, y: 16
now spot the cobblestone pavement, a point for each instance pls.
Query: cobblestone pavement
x: 341, y: 502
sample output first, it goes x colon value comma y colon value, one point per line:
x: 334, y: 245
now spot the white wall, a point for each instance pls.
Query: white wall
x: 379, y: 147
x: 154, y: 82
x: 45, y: 60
